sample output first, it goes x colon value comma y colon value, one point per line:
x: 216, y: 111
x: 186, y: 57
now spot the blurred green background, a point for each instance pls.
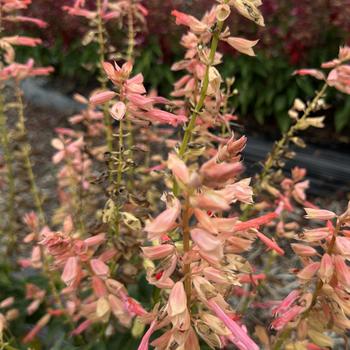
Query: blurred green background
x: 298, y: 34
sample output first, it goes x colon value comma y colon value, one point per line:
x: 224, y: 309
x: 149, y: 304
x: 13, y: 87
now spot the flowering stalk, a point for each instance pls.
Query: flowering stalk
x: 102, y: 53
x: 25, y: 148
x: 279, y: 147
x: 4, y: 132
x: 203, y: 93
x: 187, y: 246
x: 331, y: 277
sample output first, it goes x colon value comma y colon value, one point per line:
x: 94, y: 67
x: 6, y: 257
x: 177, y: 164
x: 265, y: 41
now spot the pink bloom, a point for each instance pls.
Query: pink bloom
x: 38, y: 22
x: 342, y: 271
x: 177, y: 300
x: 101, y: 97
x: 22, y: 40
x: 98, y: 286
x: 7, y: 302
x: 165, y: 221
x: 238, y: 191
x: 280, y: 322
x: 99, y: 268
x: 319, y: 214
x: 71, y: 271
x: 303, y: 250
x: 313, y: 72
x: 118, y: 110
x: 177, y: 307
x: 242, y: 45
x: 339, y: 78
x: 157, y: 115
x: 75, y: 11
x: 158, y: 252
x: 286, y: 303
x: 240, y: 337
x: 220, y: 172
x: 40, y: 324
x: 309, y: 271
x: 210, y: 200
x: 326, y: 268
x: 82, y: 327
x: 254, y: 223
x: 178, y: 168
x: 205, y: 221
x: 144, y: 345
x: 343, y: 245
x: 270, y: 243
x: 195, y: 25
x: 95, y: 240
x: 209, y: 244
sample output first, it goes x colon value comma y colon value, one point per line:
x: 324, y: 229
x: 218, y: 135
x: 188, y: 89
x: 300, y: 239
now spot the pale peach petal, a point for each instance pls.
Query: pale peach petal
x: 242, y: 45
x: 165, y: 221
x: 319, y: 214
x: 326, y: 268
x: 101, y: 97
x: 177, y: 300
x: 118, y: 110
x: 178, y: 168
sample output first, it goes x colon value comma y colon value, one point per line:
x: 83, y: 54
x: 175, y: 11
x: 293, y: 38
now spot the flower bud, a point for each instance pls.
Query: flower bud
x: 222, y: 12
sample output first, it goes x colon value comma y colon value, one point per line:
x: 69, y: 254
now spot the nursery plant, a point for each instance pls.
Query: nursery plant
x: 158, y: 239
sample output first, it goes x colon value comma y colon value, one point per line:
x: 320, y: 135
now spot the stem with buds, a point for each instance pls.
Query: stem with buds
x: 8, y: 159
x: 187, y: 247
x: 203, y: 94
x: 198, y: 108
x: 26, y: 155
x: 279, y: 146
x: 102, y: 78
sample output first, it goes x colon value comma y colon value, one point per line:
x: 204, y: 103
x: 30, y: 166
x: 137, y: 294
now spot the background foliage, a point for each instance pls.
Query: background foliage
x: 298, y: 33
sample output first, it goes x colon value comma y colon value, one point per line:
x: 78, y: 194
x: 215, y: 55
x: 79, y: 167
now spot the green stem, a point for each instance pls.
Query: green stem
x: 198, y: 108
x: 131, y: 32
x: 5, y: 143
x: 273, y: 156
x: 102, y: 78
x: 26, y: 155
x: 187, y: 247
x: 203, y: 94
x: 130, y: 54
x: 119, y: 174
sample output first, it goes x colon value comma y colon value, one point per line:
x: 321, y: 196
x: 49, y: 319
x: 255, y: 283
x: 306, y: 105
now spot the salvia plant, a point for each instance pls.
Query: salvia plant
x: 157, y: 235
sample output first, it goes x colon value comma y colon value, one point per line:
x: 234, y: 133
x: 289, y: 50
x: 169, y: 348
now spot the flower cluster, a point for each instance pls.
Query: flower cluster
x: 321, y: 304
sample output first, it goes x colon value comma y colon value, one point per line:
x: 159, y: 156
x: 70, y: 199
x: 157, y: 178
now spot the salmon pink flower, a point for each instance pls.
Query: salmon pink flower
x: 209, y: 244
x: 118, y: 110
x: 326, y: 268
x: 312, y: 72
x: 309, y: 271
x: 242, y: 45
x: 194, y: 24
x: 102, y: 97
x: 288, y: 316
x: 287, y: 302
x: 71, y: 271
x: 22, y: 41
x: 270, y: 243
x: 319, y: 214
x: 158, y: 252
x: 240, y: 337
x: 178, y: 168
x: 342, y: 271
x: 165, y: 221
